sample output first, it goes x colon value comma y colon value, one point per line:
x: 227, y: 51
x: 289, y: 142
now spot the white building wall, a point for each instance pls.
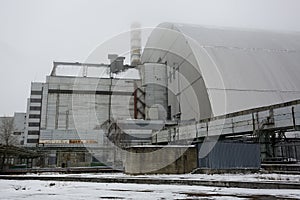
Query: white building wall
x: 75, y: 108
x: 33, y: 114
x: 227, y: 70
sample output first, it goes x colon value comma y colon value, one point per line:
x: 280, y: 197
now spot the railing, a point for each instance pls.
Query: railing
x: 284, y: 117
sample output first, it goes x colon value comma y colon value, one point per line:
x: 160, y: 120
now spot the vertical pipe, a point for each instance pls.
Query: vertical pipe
x: 109, y: 98
x: 67, y: 119
x: 207, y: 129
x: 253, y: 123
x: 57, y: 111
x: 293, y: 115
x: 197, y: 134
x: 135, y: 103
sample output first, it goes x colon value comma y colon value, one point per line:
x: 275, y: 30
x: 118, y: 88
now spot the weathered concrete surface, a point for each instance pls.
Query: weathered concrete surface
x: 69, y: 170
x: 155, y: 159
x: 282, y: 167
x: 236, y: 184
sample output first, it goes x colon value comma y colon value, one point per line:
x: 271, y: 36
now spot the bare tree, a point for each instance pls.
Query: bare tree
x: 7, y: 137
x: 7, y: 128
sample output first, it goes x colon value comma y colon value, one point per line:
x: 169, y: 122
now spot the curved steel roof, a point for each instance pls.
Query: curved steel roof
x: 226, y: 70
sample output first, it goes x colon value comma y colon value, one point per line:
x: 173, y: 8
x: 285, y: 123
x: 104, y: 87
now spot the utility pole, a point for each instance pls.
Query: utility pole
x: 109, y: 93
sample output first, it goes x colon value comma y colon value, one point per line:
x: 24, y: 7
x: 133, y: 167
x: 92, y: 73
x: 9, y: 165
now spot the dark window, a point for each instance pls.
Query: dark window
x: 36, y: 92
x: 35, y: 100
x: 17, y: 133
x: 33, y: 132
x: 35, y: 108
x: 34, y: 116
x: 169, y: 113
x: 32, y: 140
x: 34, y: 124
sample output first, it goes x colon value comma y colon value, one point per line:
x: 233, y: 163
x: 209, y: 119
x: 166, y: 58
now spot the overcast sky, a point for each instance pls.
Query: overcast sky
x: 34, y: 33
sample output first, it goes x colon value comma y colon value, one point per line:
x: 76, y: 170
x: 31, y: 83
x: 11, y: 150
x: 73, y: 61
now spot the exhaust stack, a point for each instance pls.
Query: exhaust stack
x: 135, y: 43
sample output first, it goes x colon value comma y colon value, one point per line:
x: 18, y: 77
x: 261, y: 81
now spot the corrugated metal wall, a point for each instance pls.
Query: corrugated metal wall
x: 230, y: 155
x: 289, y: 150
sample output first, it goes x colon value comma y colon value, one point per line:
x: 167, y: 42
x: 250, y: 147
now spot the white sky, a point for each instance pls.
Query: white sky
x: 34, y: 33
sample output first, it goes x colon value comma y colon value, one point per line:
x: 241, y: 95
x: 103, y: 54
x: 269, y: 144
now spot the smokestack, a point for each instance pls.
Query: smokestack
x: 135, y: 43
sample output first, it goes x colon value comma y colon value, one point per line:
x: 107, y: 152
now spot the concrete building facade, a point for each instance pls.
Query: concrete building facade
x: 33, y: 115
x: 66, y: 115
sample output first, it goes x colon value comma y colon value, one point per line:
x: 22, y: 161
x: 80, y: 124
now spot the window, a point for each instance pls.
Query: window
x: 169, y: 113
x: 33, y: 132
x: 34, y: 116
x: 36, y: 92
x: 17, y: 133
x: 34, y: 124
x: 35, y: 108
x: 35, y: 100
x: 32, y: 140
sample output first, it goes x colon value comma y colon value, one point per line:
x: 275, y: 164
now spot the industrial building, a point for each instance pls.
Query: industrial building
x: 234, y: 93
x: 230, y: 95
x: 67, y: 112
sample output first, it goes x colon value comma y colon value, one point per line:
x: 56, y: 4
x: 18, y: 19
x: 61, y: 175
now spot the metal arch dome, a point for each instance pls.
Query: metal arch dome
x: 227, y: 69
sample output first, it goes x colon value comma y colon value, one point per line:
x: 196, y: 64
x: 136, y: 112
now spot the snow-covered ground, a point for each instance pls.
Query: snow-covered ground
x: 254, y: 177
x: 46, y: 190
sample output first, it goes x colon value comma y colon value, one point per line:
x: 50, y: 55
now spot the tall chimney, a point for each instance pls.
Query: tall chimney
x: 135, y: 43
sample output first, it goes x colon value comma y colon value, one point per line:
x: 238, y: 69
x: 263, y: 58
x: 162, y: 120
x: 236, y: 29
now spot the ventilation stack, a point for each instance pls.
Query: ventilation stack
x: 135, y: 44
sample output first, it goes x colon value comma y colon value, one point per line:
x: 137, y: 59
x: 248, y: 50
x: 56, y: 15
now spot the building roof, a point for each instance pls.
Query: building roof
x: 237, y: 69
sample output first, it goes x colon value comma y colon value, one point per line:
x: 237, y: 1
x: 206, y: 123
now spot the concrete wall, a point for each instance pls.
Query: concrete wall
x: 75, y: 108
x: 160, y: 160
x: 33, y: 114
